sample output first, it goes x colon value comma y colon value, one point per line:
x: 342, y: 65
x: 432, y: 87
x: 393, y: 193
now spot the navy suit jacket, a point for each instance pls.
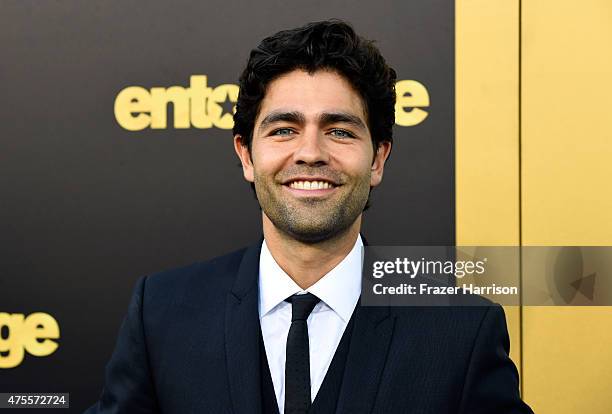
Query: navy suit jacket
x: 190, y: 344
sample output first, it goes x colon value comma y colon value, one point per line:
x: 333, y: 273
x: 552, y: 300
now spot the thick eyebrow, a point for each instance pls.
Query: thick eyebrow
x: 328, y: 118
x: 282, y: 116
x: 325, y: 118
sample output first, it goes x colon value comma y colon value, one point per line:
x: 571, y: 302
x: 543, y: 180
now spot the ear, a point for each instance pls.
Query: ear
x: 245, y: 158
x: 378, y: 165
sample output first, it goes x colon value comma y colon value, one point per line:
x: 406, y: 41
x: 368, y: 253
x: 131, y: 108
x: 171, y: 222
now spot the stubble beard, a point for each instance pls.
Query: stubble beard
x: 312, y: 220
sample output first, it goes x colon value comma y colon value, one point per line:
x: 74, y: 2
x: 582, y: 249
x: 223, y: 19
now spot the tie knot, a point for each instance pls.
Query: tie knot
x: 302, y: 305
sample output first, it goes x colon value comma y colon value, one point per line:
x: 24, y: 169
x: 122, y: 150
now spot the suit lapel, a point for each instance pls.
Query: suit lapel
x: 242, y: 336
x: 366, y: 359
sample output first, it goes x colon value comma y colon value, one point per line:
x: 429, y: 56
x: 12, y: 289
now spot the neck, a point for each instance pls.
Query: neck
x: 306, y: 263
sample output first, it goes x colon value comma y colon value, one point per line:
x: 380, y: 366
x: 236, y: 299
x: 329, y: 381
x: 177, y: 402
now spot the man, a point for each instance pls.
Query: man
x: 277, y: 327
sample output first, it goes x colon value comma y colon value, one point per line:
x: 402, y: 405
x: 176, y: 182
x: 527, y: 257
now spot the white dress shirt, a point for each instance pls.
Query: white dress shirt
x: 339, y: 292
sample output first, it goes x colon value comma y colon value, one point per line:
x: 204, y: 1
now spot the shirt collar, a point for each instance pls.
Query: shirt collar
x: 339, y: 289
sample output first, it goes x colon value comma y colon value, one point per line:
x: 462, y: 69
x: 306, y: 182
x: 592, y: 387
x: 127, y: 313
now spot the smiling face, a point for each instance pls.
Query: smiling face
x: 312, y: 159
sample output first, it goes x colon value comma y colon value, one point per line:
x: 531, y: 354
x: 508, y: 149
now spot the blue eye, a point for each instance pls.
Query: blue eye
x: 340, y: 133
x: 282, y: 131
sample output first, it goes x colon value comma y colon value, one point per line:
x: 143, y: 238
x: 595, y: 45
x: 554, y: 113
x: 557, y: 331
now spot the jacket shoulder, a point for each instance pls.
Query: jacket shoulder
x: 463, y: 320
x: 189, y: 284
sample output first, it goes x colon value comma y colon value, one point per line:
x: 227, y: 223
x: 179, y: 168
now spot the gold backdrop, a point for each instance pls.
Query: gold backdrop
x: 534, y: 167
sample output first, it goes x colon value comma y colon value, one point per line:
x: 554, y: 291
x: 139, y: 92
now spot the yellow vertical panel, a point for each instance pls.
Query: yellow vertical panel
x: 486, y: 146
x: 567, y: 193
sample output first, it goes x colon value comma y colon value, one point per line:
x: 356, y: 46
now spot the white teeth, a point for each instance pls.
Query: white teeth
x: 310, y: 185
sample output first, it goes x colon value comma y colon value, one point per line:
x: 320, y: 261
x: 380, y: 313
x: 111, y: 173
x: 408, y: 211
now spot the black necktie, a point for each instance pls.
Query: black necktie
x: 297, y: 364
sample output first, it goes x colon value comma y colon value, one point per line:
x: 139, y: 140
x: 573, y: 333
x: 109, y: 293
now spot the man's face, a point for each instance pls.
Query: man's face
x: 312, y: 156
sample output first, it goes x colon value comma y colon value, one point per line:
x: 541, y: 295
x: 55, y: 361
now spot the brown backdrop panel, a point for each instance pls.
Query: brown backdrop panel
x: 87, y: 206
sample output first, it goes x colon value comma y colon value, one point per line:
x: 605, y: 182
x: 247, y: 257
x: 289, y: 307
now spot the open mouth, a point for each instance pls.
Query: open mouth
x: 319, y: 188
x: 310, y: 185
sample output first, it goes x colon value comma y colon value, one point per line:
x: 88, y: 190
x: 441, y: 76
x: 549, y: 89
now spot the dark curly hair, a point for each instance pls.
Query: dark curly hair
x: 330, y: 44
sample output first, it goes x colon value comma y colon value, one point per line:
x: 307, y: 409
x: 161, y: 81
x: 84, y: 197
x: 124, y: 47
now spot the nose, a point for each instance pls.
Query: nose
x: 311, y: 148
